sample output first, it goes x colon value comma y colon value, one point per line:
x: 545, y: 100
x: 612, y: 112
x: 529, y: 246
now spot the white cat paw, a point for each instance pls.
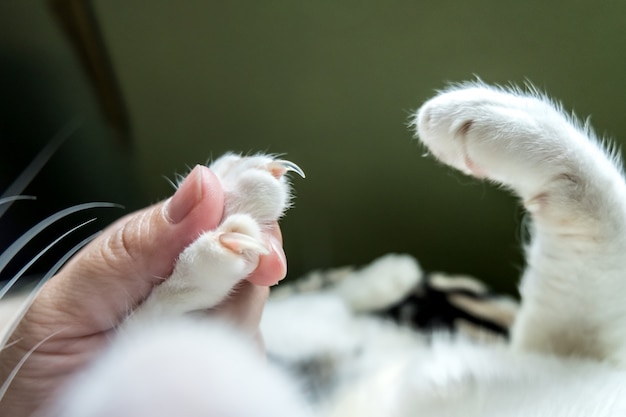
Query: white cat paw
x: 228, y: 254
x: 503, y: 135
x: 255, y: 185
x: 379, y: 285
x: 208, y: 269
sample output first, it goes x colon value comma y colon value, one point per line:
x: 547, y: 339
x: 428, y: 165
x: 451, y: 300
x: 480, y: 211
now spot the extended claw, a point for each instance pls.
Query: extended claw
x: 240, y: 242
x: 280, y: 167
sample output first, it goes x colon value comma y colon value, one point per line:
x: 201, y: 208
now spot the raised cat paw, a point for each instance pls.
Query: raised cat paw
x: 504, y: 135
x: 255, y: 185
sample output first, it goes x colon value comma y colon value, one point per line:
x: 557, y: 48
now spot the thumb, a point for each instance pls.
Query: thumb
x: 118, y: 269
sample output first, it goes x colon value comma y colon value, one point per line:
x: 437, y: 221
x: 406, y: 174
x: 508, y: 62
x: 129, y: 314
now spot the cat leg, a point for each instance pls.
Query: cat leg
x: 573, y: 288
x: 376, y: 286
x: 381, y: 284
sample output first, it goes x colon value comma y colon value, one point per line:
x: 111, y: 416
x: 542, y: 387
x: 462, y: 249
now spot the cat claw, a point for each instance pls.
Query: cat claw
x: 240, y: 243
x: 280, y: 167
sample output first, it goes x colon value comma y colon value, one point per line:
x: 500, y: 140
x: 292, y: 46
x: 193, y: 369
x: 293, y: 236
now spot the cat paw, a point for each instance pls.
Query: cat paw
x: 208, y: 269
x: 255, y: 185
x: 503, y: 135
x: 381, y: 284
x: 256, y: 194
x: 231, y: 250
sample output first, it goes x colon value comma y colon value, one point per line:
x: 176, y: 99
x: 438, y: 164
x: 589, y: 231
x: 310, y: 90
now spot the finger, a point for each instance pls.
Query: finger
x: 245, y: 307
x: 118, y: 270
x: 272, y: 267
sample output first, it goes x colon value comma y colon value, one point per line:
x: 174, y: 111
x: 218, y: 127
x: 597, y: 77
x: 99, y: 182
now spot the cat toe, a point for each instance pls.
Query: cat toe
x: 280, y: 167
x: 230, y: 166
x: 241, y: 235
x: 255, y: 185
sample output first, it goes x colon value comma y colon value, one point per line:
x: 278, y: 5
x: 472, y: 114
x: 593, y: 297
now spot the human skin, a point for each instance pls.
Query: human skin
x: 79, y: 308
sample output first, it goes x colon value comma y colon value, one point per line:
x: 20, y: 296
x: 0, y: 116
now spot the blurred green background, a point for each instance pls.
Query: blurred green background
x: 329, y: 83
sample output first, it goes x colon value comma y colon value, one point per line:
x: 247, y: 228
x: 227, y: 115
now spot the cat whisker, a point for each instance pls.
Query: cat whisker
x: 6, y: 200
x: 35, y: 291
x: 36, y: 164
x: 11, y: 377
x: 18, y: 275
x: 12, y: 250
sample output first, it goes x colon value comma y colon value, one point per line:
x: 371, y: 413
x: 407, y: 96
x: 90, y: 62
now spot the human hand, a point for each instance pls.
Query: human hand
x: 93, y: 293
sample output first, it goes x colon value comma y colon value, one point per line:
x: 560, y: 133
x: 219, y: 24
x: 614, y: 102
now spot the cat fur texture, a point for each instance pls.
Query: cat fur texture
x: 567, y: 352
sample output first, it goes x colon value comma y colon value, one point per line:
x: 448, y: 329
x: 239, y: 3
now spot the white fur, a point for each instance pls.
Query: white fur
x: 568, y: 348
x: 573, y: 286
x: 181, y: 368
x: 365, y: 291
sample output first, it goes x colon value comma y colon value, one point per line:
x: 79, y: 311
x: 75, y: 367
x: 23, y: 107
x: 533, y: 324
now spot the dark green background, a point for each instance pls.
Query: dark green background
x: 329, y: 83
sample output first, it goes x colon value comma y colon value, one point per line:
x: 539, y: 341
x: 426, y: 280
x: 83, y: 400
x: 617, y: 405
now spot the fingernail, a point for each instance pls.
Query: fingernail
x: 278, y: 248
x: 186, y: 197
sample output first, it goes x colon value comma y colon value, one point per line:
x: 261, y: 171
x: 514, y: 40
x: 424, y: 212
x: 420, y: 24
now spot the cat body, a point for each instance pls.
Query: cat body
x: 567, y: 351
